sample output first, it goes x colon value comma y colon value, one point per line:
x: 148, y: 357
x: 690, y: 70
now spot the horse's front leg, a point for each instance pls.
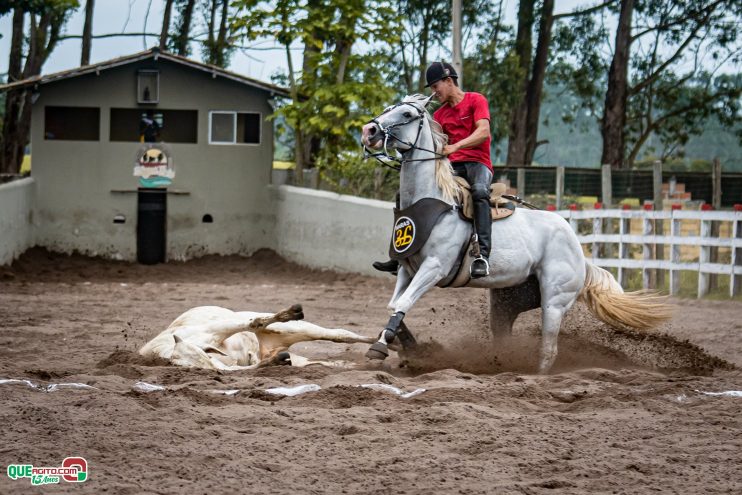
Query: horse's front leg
x: 403, y: 281
x: 430, y: 273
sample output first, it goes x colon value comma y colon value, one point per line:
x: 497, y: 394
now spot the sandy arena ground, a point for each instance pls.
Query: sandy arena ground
x: 620, y: 413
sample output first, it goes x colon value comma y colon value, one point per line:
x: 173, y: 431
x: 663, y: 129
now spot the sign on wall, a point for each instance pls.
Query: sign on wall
x: 154, y: 165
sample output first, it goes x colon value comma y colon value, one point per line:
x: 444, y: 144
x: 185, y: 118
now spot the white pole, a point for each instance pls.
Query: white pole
x: 458, y: 61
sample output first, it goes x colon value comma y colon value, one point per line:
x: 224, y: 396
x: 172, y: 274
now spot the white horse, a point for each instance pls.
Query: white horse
x: 211, y: 337
x: 536, y: 258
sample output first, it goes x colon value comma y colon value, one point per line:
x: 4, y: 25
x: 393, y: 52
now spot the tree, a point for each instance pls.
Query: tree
x: 426, y: 24
x: 179, y: 43
x: 614, y: 113
x: 494, y: 71
x: 47, y: 19
x: 673, y: 110
x: 218, y: 46
x: 522, y: 52
x: 536, y: 83
x: 672, y: 103
x: 87, y: 33
x: 663, y: 52
x: 337, y: 88
x: 532, y: 69
x: 165, y: 24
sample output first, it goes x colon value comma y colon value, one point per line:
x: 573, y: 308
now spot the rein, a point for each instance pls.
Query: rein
x: 394, y: 162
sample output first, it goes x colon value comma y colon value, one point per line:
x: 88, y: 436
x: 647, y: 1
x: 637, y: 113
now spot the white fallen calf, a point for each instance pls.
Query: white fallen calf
x: 212, y: 337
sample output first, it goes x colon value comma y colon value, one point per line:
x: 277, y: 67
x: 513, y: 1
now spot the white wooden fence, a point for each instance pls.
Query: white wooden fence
x: 653, y: 235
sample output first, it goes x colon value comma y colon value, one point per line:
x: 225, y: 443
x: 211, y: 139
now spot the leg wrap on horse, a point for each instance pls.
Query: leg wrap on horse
x: 482, y: 217
x: 392, y: 328
x: 379, y: 349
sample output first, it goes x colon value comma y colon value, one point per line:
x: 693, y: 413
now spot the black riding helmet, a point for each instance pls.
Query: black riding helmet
x: 439, y: 70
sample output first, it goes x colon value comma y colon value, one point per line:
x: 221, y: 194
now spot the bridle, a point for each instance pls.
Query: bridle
x: 396, y: 164
x: 392, y: 161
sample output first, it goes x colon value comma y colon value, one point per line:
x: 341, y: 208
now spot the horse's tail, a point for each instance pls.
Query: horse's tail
x: 607, y: 300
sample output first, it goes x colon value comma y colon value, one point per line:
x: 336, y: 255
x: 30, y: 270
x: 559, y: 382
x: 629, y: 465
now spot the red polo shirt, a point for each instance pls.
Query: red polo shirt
x: 458, y: 123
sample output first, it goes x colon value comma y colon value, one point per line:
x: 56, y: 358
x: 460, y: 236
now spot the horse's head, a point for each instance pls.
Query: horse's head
x: 398, y: 127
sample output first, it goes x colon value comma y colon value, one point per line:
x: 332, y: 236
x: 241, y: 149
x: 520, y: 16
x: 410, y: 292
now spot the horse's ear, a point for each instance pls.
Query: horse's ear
x: 428, y: 100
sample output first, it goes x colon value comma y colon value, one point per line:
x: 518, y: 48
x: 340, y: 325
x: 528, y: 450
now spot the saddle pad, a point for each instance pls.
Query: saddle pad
x: 501, y: 208
x: 412, y: 226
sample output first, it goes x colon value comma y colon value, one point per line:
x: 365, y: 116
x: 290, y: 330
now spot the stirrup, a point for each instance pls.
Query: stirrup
x: 476, y: 273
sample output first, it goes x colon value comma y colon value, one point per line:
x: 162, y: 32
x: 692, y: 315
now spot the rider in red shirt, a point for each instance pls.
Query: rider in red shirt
x: 465, y: 119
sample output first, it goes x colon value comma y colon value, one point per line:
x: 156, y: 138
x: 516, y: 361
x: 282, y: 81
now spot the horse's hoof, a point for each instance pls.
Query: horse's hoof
x: 297, y: 312
x: 283, y: 358
x: 377, y: 351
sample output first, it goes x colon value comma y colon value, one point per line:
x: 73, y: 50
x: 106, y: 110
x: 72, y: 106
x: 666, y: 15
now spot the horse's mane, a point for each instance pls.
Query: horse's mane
x: 443, y: 171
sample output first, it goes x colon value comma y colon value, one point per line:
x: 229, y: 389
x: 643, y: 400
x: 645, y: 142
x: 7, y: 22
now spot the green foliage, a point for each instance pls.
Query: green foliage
x: 579, y: 67
x: 219, y: 45
x: 335, y: 109
x: 339, y: 87
x: 424, y: 37
x: 676, y: 51
x: 498, y: 78
x: 39, y: 7
x: 358, y: 56
x: 350, y: 173
x: 182, y: 27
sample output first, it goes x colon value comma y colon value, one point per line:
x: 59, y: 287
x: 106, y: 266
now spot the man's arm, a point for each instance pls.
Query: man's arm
x: 480, y: 135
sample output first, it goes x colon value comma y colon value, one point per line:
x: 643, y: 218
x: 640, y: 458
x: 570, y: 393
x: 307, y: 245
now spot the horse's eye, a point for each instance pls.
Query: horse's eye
x: 407, y: 115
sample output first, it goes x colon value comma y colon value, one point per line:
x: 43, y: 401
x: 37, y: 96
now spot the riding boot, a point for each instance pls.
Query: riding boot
x: 390, y: 266
x: 483, y: 225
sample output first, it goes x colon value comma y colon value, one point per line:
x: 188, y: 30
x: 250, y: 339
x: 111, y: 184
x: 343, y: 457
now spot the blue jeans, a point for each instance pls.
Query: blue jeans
x: 479, y: 178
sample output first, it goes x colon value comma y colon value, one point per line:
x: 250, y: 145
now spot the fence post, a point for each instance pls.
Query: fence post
x: 703, y: 258
x: 735, y: 281
x: 659, y: 228
x: 675, y: 232
x: 559, y: 187
x: 624, y: 229
x: 597, y: 230
x: 715, y: 225
x: 647, y: 249
x: 521, y: 184
x: 605, y: 182
x: 716, y: 188
x: 607, y: 200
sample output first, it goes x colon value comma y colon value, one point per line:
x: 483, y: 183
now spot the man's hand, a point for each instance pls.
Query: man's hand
x: 480, y: 135
x: 450, y: 148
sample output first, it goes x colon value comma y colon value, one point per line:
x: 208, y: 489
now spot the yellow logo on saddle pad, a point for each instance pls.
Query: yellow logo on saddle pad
x: 412, y: 226
x: 404, y: 234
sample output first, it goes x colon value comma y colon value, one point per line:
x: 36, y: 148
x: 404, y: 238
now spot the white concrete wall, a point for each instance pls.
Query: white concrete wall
x: 326, y: 230
x: 318, y: 229
x: 16, y: 218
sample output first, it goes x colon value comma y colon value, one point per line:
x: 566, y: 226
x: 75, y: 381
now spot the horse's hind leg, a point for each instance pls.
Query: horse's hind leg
x: 554, y: 304
x: 507, y: 303
x: 551, y: 321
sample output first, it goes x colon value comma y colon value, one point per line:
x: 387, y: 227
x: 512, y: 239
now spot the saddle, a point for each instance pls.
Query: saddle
x: 413, y: 225
x: 500, y: 207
